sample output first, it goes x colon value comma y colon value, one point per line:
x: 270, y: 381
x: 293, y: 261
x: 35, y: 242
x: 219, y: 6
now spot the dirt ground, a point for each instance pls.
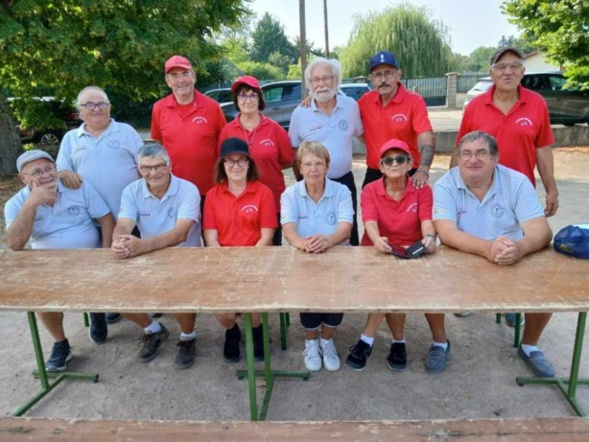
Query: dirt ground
x: 479, y: 381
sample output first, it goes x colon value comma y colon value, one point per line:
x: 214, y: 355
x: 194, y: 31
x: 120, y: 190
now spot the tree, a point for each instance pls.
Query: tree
x: 64, y: 45
x: 269, y: 37
x: 420, y: 44
x: 479, y: 58
x: 262, y: 71
x: 523, y: 44
x: 560, y: 28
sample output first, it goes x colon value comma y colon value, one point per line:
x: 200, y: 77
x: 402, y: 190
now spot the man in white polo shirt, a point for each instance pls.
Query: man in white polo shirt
x: 333, y: 120
x: 52, y: 216
x: 166, y: 209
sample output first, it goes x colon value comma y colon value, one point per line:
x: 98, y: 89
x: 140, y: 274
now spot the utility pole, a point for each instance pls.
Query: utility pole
x: 303, y: 43
x: 326, y: 29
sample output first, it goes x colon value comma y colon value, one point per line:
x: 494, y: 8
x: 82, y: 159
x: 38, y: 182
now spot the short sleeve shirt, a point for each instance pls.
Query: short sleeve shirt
x: 525, y: 128
x: 239, y: 220
x: 190, y: 134
x: 510, y: 201
x: 404, y: 118
x: 155, y: 217
x: 108, y: 162
x: 68, y: 224
x: 336, y: 131
x: 399, y: 221
x: 312, y: 218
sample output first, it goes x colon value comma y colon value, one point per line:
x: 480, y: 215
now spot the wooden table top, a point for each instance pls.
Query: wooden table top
x: 270, y: 279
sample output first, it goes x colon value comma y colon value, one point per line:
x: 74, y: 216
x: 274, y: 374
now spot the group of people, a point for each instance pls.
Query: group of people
x: 206, y: 180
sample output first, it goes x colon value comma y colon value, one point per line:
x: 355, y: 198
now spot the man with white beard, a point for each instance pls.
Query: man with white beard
x: 333, y: 120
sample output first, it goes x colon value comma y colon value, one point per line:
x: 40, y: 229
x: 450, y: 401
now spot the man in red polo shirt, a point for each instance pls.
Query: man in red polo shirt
x: 391, y: 111
x: 518, y: 119
x: 188, y: 125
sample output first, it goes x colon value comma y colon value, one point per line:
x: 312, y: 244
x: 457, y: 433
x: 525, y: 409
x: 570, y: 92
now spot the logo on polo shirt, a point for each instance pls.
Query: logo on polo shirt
x: 74, y: 210
x: 523, y: 121
x: 412, y: 208
x: 267, y: 142
x: 172, y: 212
x: 199, y: 120
x: 399, y: 118
x: 343, y: 125
x: 497, y: 210
x: 39, y: 218
x: 78, y: 149
x: 250, y: 208
x: 330, y: 218
x: 113, y: 144
x: 145, y: 215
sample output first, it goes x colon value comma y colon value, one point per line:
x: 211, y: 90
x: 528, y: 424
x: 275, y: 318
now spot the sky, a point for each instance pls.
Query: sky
x: 471, y: 23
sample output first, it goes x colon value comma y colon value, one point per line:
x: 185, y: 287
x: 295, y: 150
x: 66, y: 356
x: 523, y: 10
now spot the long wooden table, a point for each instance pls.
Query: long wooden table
x: 275, y: 279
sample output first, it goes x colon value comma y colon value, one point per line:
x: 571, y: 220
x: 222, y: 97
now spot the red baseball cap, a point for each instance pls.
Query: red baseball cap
x: 177, y: 61
x: 247, y: 80
x: 394, y: 144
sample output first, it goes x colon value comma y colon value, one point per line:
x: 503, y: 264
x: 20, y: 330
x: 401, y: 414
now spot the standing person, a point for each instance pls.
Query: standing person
x: 239, y: 212
x: 102, y: 152
x: 166, y: 209
x: 317, y: 215
x: 52, y: 216
x: 391, y: 111
x: 333, y: 120
x: 518, y: 119
x: 267, y: 141
x: 487, y: 209
x: 188, y: 125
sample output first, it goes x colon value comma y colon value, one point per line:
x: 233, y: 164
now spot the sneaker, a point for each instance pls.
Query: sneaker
x: 111, y: 318
x: 185, y: 356
x: 258, y: 343
x: 358, y: 356
x: 151, y: 344
x: 312, y: 355
x: 231, y: 348
x: 98, y: 330
x: 61, y: 354
x: 329, y: 355
x: 537, y: 362
x: 436, y: 358
x: 397, y: 359
x: 462, y: 315
x: 510, y: 319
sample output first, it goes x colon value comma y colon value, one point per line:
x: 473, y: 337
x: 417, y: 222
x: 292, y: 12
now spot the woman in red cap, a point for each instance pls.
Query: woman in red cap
x: 396, y: 213
x: 239, y: 211
x: 267, y: 141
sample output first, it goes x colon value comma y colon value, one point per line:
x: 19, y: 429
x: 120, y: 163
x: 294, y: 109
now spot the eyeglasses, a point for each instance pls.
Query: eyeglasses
x: 400, y: 159
x: 252, y: 97
x: 240, y: 162
x: 319, y: 80
x: 317, y: 164
x: 514, y: 66
x: 158, y: 168
x: 479, y: 154
x: 38, y: 173
x: 388, y: 74
x: 91, y: 106
x: 176, y: 77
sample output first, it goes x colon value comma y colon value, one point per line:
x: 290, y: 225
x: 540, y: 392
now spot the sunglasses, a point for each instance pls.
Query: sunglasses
x: 400, y: 159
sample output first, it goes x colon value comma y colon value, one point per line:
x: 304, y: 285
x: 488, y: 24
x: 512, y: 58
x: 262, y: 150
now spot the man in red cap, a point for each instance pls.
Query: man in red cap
x: 188, y: 125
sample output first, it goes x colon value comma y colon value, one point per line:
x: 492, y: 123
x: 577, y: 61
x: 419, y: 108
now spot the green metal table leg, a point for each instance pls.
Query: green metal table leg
x: 287, y: 315
x: 42, y: 374
x: 283, y: 330
x: 251, y: 377
x: 86, y: 320
x: 568, y: 386
x: 498, y: 318
x: 518, y: 328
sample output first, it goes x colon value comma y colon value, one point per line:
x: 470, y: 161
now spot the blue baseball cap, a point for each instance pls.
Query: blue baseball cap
x: 383, y: 57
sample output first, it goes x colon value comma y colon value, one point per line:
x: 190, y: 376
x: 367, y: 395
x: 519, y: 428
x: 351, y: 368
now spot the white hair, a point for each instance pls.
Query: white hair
x: 90, y: 89
x: 333, y: 65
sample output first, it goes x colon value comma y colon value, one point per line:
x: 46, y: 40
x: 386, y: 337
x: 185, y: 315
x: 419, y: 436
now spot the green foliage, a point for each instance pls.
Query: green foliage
x: 269, y: 37
x: 560, y: 28
x: 480, y: 58
x: 280, y: 61
x: 420, y: 43
x: 262, y: 71
x: 523, y: 44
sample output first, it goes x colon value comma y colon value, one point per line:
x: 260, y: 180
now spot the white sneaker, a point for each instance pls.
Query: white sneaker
x: 331, y: 360
x: 312, y: 355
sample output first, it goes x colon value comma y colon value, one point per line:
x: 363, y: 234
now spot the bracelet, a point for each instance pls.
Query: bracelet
x: 422, y: 171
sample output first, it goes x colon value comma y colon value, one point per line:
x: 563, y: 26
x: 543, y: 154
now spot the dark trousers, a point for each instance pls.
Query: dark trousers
x: 348, y: 181
x: 277, y: 239
x: 312, y: 321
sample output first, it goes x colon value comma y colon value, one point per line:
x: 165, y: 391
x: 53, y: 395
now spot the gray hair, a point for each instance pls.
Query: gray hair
x: 480, y: 135
x: 333, y: 65
x: 153, y: 150
x: 88, y: 89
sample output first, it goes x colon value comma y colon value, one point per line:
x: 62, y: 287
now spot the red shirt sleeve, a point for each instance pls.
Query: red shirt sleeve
x: 368, y: 202
x: 208, y: 217
x: 426, y: 202
x: 155, y: 128
x: 267, y: 209
x: 285, y: 150
x: 545, y: 136
x: 420, y: 119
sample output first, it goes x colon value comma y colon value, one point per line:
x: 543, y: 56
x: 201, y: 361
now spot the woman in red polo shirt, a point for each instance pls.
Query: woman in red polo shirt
x: 239, y: 211
x: 395, y: 213
x: 267, y: 141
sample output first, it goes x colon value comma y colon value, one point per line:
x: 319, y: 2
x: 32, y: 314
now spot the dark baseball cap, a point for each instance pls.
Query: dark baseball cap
x: 383, y: 57
x: 501, y: 52
x: 233, y: 146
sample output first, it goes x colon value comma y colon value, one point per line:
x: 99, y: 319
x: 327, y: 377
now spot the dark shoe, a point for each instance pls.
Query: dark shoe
x: 185, y: 356
x: 111, y: 318
x: 435, y: 362
x: 358, y: 356
x: 151, y: 344
x: 510, y: 319
x: 397, y: 359
x: 462, y: 315
x: 98, y: 329
x: 258, y: 343
x: 156, y: 315
x: 231, y: 348
x: 61, y: 354
x: 537, y: 362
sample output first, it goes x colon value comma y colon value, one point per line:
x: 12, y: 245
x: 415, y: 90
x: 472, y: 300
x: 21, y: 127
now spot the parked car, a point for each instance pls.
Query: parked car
x: 223, y: 95
x: 355, y: 90
x: 565, y: 106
